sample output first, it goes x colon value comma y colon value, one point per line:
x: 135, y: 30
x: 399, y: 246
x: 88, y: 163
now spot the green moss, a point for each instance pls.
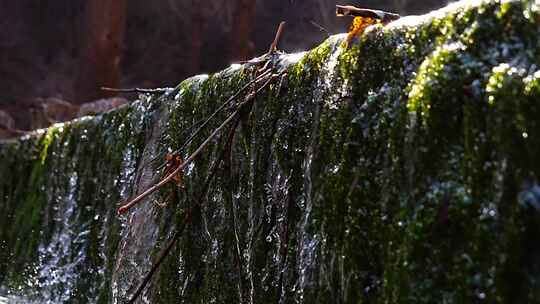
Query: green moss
x: 47, y: 140
x: 401, y: 169
x: 411, y: 212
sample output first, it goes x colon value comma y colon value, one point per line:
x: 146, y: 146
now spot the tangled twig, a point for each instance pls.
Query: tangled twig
x: 174, y: 169
x: 165, y: 252
x: 174, y: 173
x: 223, y: 106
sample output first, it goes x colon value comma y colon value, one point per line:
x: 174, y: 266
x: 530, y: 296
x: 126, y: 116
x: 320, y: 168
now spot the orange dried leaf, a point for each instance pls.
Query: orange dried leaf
x: 358, y: 27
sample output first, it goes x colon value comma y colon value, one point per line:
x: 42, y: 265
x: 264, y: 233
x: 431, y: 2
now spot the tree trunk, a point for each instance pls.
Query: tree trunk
x: 197, y: 34
x: 104, y: 29
x: 241, y: 46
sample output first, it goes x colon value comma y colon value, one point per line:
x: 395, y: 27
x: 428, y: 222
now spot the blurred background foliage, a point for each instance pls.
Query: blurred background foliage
x: 55, y: 55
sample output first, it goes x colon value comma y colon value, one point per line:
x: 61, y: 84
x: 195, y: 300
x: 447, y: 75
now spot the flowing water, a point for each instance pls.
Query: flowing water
x: 386, y: 171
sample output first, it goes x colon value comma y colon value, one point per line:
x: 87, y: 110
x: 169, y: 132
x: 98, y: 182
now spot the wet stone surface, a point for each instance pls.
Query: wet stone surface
x: 402, y: 169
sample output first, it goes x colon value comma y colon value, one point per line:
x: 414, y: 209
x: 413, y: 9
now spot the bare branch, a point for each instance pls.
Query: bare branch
x: 138, y: 90
x: 192, y: 157
x: 320, y: 27
x: 273, y: 46
x: 348, y: 10
x: 165, y: 252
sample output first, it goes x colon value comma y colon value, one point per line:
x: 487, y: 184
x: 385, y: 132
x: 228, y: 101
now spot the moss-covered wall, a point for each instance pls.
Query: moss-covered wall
x: 403, y: 169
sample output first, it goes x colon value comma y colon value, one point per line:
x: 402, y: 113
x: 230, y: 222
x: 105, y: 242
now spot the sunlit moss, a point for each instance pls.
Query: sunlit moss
x: 431, y: 79
x: 499, y: 82
x: 391, y: 171
x: 48, y: 138
x: 532, y: 84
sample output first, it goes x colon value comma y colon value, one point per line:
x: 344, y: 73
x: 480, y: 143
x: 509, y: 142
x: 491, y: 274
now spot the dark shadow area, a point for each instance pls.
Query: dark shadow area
x: 55, y: 55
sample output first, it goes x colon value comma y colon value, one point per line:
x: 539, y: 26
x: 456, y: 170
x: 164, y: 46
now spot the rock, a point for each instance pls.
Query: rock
x: 58, y: 110
x: 6, y: 134
x: 100, y: 106
x: 8, y: 129
x: 368, y: 175
x: 38, y: 119
x: 6, y: 121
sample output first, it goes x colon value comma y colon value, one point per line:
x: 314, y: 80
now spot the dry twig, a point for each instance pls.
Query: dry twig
x: 223, y: 106
x: 273, y: 46
x: 138, y: 90
x: 349, y: 10
x: 320, y: 27
x: 268, y: 77
x: 165, y: 252
x: 174, y: 173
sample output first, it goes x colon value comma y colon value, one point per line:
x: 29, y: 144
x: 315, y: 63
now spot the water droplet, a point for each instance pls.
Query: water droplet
x: 530, y: 196
x: 235, y: 66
